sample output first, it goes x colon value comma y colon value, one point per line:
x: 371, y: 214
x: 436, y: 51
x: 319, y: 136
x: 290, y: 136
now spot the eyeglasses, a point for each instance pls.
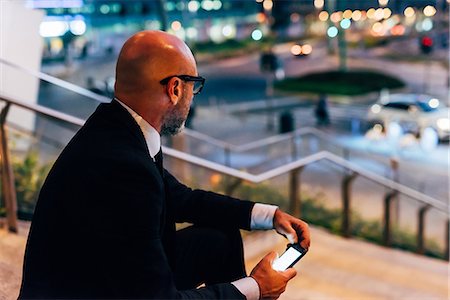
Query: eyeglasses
x: 198, y: 81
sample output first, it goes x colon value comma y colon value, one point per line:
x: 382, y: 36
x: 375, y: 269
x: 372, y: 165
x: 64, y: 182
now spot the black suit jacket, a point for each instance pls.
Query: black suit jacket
x: 104, y: 224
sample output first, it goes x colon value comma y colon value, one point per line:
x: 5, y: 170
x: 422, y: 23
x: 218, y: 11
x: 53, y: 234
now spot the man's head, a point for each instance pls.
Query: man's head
x: 151, y: 79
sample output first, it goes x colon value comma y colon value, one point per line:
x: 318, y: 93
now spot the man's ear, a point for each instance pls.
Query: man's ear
x: 175, y: 89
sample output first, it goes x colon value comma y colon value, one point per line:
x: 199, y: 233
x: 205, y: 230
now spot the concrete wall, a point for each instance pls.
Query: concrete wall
x: 20, y: 43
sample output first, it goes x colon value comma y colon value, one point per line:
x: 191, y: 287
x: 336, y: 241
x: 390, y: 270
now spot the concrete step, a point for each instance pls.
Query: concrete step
x: 339, y: 268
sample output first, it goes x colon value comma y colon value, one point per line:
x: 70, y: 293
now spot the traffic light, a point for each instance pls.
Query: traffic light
x: 426, y: 45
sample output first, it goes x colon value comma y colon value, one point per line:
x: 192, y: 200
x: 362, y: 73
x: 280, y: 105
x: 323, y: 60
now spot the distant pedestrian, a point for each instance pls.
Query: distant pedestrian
x: 321, y: 111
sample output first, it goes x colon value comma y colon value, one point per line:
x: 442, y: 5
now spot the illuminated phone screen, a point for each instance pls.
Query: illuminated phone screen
x: 285, y: 260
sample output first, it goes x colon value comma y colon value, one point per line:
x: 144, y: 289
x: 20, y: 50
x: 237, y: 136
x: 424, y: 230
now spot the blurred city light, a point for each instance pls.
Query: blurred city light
x: 398, y: 30
x: 191, y: 33
x: 387, y: 13
x: 53, y: 3
x: 260, y: 17
x: 425, y: 25
x: 296, y: 50
x: 207, y: 5
x: 323, y: 16
x: 433, y: 103
x: 376, y: 108
x: 176, y: 25
x: 383, y: 2
x: 345, y: 23
x: 215, y: 33
x: 77, y: 27
x: 217, y: 4
x: 347, y: 14
x: 53, y: 28
x: 371, y: 13
x: 104, y: 9
x: 378, y: 128
x: 193, y: 6
x: 336, y: 17
x: 257, y: 35
x: 379, y: 14
x: 306, y: 49
x: 229, y: 31
x: 332, y: 32
x: 409, y: 12
x: 259, y: 1
x: 443, y: 124
x: 377, y: 28
x: 268, y: 4
x: 356, y: 15
x: 319, y: 4
x: 429, y: 11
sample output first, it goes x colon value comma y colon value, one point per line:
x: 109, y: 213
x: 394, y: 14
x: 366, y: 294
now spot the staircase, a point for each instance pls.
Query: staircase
x: 334, y: 268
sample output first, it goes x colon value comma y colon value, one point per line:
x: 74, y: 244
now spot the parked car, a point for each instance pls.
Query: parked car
x: 413, y: 112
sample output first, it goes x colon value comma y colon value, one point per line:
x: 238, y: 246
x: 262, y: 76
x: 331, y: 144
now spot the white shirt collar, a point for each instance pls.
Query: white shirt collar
x: 151, y: 135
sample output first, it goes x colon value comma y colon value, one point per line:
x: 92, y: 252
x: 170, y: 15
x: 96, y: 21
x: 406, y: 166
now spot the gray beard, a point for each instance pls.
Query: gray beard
x: 172, y: 125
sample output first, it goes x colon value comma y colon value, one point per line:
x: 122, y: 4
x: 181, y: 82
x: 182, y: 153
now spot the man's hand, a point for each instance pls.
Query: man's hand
x: 271, y: 283
x: 295, y: 230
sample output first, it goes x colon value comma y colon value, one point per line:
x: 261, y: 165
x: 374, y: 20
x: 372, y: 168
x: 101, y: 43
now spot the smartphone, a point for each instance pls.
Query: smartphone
x: 289, y: 258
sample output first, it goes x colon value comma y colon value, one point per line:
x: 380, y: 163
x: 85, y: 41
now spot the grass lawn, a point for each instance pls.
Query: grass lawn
x: 351, y: 83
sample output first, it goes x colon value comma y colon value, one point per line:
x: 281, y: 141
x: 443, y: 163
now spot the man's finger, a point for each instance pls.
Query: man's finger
x: 302, y: 229
x: 292, y: 237
x: 271, y: 256
x: 290, y: 273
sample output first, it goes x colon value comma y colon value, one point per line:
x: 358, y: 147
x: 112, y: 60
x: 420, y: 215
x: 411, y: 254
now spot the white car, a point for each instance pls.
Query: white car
x: 413, y: 113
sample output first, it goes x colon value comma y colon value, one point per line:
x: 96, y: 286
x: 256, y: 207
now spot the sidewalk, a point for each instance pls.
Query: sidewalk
x: 334, y: 268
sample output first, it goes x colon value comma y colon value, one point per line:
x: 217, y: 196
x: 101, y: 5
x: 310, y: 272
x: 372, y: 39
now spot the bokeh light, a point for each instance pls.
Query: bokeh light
x: 409, y: 12
x: 356, y: 15
x: 345, y: 23
x: 176, y: 25
x: 429, y: 11
x: 332, y: 31
x: 347, y: 14
x: 323, y: 16
x: 257, y: 35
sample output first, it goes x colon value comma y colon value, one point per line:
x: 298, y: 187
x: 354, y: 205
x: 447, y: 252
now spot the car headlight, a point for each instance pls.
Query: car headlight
x: 443, y: 124
x: 376, y: 108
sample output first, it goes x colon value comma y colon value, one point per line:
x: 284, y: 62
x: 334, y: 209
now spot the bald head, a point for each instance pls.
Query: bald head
x: 146, y: 58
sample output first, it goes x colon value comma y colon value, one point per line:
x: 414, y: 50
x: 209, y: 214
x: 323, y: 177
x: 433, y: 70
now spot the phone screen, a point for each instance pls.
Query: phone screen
x: 286, y: 259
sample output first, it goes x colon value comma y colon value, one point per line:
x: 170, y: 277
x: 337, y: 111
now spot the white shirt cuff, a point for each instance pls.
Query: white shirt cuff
x: 248, y: 287
x: 262, y: 216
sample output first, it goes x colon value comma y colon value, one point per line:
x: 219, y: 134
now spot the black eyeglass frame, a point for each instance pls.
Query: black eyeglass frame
x: 187, y: 78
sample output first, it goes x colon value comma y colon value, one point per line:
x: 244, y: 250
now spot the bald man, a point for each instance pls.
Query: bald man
x: 104, y: 224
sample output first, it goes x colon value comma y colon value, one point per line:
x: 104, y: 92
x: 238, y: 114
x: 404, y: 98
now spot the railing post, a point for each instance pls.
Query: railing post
x: 387, y: 217
x: 293, y: 146
x: 421, y: 229
x: 227, y: 151
x: 394, y: 163
x: 8, y: 190
x: 294, y: 192
x: 447, y: 240
x: 346, y: 213
x: 232, y: 186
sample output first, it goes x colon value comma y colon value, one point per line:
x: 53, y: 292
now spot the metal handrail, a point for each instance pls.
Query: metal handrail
x: 58, y: 82
x: 255, y: 144
x: 48, y: 112
x: 322, y: 155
